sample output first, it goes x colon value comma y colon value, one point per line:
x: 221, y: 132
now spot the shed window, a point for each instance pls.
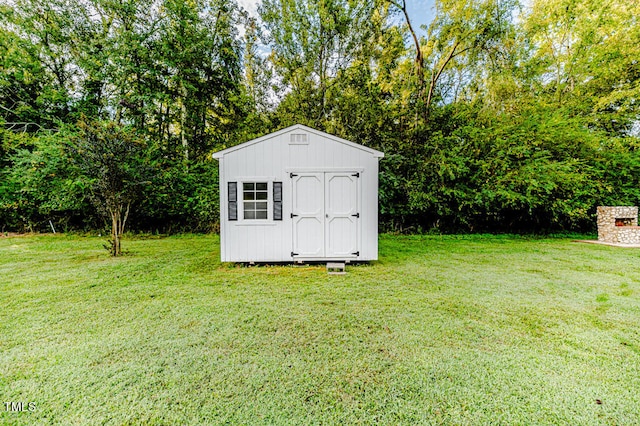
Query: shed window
x: 254, y: 197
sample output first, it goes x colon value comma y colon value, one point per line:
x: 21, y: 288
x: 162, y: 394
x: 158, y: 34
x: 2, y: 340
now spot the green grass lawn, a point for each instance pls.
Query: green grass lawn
x: 453, y: 330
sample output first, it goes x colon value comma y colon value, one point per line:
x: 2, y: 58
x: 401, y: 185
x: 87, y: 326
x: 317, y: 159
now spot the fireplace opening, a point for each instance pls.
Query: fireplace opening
x: 624, y: 222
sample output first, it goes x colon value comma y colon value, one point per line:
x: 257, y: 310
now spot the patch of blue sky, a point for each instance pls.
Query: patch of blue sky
x: 421, y: 12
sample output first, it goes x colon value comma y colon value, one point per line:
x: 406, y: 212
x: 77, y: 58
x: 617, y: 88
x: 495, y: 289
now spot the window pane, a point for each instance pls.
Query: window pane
x: 252, y: 191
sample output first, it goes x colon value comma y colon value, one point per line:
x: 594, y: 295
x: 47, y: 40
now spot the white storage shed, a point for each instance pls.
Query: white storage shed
x: 298, y: 195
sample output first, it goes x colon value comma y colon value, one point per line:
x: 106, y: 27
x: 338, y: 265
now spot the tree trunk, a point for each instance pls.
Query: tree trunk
x: 419, y: 59
x: 118, y: 222
x: 115, y: 238
x: 183, y: 123
x: 435, y: 75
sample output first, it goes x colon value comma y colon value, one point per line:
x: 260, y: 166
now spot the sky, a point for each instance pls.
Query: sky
x: 420, y: 11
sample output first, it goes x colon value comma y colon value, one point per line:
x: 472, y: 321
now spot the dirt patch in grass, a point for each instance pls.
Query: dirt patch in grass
x: 14, y: 235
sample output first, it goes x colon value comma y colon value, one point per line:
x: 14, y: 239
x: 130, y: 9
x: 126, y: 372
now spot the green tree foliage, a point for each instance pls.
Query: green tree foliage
x: 498, y: 115
x: 27, y: 100
x: 586, y: 58
x: 39, y: 187
x: 181, y: 200
x: 462, y: 35
x: 312, y: 43
x: 504, y: 173
x: 172, y: 68
x: 169, y: 70
x: 112, y: 161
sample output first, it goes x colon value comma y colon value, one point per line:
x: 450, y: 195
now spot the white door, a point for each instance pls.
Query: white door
x: 308, y: 215
x: 325, y: 215
x: 341, y: 214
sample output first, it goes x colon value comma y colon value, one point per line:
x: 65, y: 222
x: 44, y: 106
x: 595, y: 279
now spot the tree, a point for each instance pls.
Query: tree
x: 312, y: 43
x: 586, y: 58
x: 171, y: 69
x: 499, y: 112
x: 112, y: 159
x: 462, y: 31
x: 40, y: 186
x: 28, y: 102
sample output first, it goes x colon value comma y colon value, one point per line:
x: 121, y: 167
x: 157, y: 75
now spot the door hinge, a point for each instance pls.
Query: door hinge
x: 356, y: 175
x: 293, y: 215
x: 293, y: 254
x: 356, y: 215
x: 356, y: 253
x: 292, y: 175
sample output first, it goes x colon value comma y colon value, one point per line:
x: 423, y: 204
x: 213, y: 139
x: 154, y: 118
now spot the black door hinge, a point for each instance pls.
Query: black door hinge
x: 356, y: 215
x: 293, y: 215
x: 292, y: 175
x: 356, y: 175
x: 293, y: 254
x: 356, y: 253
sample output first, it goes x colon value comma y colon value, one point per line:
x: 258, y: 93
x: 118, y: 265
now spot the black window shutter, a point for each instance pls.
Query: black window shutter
x: 277, y: 200
x: 233, y: 200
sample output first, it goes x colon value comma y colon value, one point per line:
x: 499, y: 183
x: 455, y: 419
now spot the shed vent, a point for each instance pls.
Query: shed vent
x: 298, y: 139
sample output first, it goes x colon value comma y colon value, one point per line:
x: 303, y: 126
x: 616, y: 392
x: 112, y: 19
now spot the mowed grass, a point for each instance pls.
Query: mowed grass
x: 441, y: 330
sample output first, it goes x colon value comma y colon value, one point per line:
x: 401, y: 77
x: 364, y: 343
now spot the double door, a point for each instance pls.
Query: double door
x: 325, y: 215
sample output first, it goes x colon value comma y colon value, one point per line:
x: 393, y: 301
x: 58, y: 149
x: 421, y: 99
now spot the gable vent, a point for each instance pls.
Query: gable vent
x: 298, y: 139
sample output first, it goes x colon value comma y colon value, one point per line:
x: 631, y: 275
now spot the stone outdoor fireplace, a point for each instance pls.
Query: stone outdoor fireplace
x: 618, y: 225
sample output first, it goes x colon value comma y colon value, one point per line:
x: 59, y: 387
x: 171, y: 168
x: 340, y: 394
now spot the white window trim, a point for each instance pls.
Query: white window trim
x: 255, y: 222
x: 255, y: 200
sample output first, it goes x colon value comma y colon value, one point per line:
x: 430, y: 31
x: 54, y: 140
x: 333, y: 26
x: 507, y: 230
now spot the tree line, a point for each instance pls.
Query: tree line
x: 500, y: 115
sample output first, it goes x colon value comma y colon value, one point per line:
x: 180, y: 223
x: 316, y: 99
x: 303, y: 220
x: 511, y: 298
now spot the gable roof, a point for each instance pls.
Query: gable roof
x: 371, y: 151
